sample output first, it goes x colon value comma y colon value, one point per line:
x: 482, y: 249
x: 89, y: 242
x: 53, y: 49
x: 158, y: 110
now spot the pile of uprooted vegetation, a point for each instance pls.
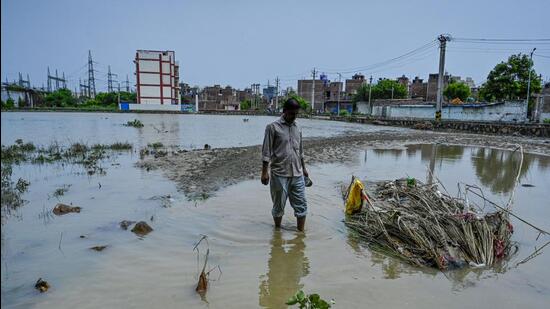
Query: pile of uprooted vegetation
x: 418, y: 223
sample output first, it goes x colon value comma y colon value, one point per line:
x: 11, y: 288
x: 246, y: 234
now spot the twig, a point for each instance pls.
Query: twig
x: 536, y: 253
x: 59, y: 246
x: 509, y: 204
x: 513, y: 215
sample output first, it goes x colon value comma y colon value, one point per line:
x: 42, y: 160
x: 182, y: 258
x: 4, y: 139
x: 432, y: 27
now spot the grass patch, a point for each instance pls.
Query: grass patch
x: 134, y: 123
x: 121, y: 146
x: 11, y: 192
x: 156, y: 145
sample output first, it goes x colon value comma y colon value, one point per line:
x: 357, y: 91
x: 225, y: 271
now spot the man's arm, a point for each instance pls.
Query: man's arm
x: 266, y: 154
x: 304, y: 170
x: 265, y: 172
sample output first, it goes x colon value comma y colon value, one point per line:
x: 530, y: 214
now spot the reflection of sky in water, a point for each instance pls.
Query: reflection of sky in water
x: 188, y: 131
x: 259, y: 266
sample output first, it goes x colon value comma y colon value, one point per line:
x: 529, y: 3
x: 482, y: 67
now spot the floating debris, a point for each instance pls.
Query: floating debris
x: 41, y: 285
x: 142, y: 228
x: 125, y: 224
x: 98, y: 248
x: 418, y: 223
x: 63, y: 209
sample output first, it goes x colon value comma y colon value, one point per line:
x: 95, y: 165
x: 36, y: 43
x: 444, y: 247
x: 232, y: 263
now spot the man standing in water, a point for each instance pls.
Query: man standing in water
x: 282, y: 152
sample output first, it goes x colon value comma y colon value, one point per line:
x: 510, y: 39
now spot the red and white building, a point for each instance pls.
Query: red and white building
x: 157, y: 77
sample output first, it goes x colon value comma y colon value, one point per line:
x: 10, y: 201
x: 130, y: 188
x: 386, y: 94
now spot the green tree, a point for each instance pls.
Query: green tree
x: 245, y: 105
x: 457, y: 90
x: 362, y: 94
x: 9, y: 104
x: 508, y: 80
x: 382, y: 90
x: 60, y: 98
x: 304, y: 104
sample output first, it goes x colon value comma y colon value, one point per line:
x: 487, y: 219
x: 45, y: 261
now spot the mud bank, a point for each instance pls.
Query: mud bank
x: 199, y: 173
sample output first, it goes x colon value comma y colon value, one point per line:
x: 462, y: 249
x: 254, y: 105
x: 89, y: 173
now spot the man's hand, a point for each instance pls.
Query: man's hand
x: 306, y: 174
x: 265, y: 177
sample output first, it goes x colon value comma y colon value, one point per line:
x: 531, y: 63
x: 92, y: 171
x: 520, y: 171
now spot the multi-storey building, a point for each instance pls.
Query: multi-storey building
x: 157, y: 77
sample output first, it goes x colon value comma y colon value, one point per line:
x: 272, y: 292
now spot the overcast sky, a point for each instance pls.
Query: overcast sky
x: 243, y: 42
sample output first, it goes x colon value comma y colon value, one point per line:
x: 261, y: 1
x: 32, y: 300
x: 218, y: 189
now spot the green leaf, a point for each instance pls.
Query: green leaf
x: 301, y: 296
x: 314, y: 298
x: 321, y: 304
x: 292, y: 301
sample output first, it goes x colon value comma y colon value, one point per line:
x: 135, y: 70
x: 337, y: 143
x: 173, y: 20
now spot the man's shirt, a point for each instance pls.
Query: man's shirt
x: 283, y: 148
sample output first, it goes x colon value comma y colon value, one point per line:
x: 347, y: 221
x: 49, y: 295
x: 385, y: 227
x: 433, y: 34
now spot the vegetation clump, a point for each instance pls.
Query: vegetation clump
x: 311, y: 301
x: 415, y: 222
x: 11, y: 192
x: 155, y: 145
x: 134, y: 123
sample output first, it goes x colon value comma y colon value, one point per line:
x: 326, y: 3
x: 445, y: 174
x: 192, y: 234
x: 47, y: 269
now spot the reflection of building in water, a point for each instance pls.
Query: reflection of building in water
x: 497, y: 169
x: 286, y: 266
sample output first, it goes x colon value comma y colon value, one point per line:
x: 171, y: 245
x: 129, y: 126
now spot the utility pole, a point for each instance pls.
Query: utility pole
x: 91, y: 79
x: 313, y: 73
x: 277, y: 94
x: 127, y: 84
x: 339, y: 90
x: 49, y: 81
x: 370, y: 87
x: 392, y: 93
x: 442, y: 45
x: 530, y: 68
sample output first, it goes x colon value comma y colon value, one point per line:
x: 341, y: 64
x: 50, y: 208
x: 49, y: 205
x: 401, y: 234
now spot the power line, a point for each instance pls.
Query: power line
x: 422, y: 48
x: 459, y: 39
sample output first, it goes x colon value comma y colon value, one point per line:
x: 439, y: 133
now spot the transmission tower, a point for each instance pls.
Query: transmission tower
x: 91, y: 79
x: 24, y: 83
x: 110, y: 79
x: 84, y: 89
x: 57, y: 80
x: 127, y: 84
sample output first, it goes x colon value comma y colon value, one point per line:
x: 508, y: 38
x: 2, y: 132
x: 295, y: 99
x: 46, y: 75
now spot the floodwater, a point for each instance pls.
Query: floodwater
x: 260, y: 267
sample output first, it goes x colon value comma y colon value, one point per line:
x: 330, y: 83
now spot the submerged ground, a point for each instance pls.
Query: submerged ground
x: 191, y: 192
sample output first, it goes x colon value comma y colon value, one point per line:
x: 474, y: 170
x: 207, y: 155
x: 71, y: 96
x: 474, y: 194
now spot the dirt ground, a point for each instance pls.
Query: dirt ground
x: 199, y: 173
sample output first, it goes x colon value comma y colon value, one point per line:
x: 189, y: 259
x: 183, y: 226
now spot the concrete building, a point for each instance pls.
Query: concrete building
x: 354, y: 83
x: 305, y: 91
x: 269, y: 92
x: 431, y: 89
x: 417, y: 88
x: 404, y: 80
x: 157, y: 77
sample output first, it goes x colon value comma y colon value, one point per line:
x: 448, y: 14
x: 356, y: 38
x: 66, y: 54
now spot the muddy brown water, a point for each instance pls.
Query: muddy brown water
x: 260, y: 267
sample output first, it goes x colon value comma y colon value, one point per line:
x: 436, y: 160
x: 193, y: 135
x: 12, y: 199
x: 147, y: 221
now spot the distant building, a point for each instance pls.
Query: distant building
x: 269, y: 92
x: 417, y: 88
x: 157, y: 77
x: 431, y: 90
x: 305, y: 91
x: 470, y: 82
x: 354, y: 83
x: 404, y: 80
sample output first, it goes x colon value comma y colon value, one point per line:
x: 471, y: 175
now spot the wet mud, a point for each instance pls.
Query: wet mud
x: 200, y: 173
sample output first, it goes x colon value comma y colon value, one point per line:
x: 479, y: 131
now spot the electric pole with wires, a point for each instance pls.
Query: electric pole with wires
x: 442, y: 45
x: 313, y: 73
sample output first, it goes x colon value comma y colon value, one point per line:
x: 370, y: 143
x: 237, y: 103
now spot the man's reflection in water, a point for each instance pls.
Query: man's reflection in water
x: 286, y: 266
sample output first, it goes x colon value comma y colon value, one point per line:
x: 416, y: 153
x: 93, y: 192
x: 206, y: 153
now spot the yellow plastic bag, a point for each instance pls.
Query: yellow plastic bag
x: 354, y: 202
